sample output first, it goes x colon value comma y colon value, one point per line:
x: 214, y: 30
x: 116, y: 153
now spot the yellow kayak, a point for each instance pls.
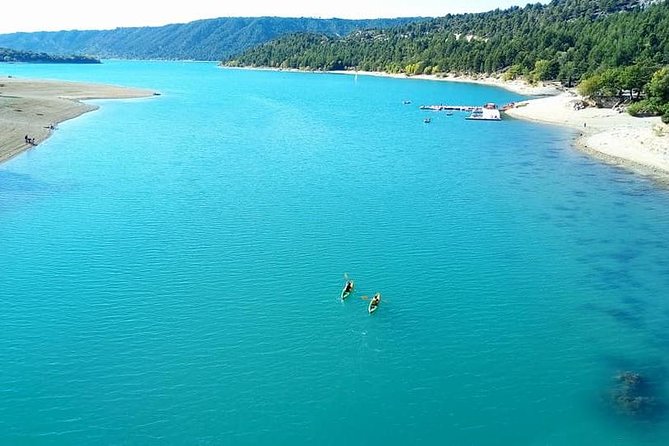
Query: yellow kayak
x: 374, y: 303
x: 347, y: 290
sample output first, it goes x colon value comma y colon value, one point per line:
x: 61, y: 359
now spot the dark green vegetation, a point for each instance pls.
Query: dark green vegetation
x: 643, y: 84
x: 212, y: 39
x: 562, y: 40
x: 565, y: 40
x: 7, y: 55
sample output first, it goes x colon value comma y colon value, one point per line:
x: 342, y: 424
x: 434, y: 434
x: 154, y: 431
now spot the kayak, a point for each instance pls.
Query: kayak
x: 347, y: 290
x: 374, y: 303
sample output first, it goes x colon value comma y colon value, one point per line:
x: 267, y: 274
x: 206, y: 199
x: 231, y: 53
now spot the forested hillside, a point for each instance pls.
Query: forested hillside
x: 212, y: 39
x: 7, y: 55
x: 565, y: 40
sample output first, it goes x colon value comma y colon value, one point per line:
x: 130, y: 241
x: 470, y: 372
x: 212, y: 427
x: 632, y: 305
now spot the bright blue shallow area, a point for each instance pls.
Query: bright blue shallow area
x: 171, y: 270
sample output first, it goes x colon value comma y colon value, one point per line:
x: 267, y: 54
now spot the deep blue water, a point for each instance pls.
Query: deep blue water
x: 171, y: 269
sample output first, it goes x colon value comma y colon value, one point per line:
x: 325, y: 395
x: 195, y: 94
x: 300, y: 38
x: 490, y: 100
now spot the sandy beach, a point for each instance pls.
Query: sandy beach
x: 34, y: 108
x: 516, y: 86
x: 641, y: 144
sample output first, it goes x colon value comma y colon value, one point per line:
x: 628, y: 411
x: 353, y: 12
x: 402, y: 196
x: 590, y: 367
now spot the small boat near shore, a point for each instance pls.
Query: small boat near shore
x: 374, y: 303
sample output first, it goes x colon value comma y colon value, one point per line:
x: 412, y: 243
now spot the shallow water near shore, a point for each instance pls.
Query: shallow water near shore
x: 171, y: 270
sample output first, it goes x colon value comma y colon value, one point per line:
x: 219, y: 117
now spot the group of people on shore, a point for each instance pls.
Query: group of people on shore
x: 31, y: 141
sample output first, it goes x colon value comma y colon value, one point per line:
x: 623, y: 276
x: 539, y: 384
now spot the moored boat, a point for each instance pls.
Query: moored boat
x: 488, y: 112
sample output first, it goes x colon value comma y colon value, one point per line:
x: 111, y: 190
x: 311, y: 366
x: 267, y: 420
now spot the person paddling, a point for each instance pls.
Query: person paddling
x: 348, y: 288
x: 374, y: 303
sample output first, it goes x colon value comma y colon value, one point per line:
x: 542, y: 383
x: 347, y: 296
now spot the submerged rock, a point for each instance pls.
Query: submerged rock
x: 631, y: 395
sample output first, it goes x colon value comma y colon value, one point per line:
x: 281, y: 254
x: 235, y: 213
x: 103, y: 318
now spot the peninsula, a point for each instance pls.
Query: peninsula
x: 31, y: 109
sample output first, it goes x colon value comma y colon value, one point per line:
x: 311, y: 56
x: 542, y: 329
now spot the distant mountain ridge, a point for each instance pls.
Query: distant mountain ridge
x: 209, y: 39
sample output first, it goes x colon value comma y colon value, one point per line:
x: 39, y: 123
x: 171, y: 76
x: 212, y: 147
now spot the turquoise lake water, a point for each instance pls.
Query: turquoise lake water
x: 171, y: 270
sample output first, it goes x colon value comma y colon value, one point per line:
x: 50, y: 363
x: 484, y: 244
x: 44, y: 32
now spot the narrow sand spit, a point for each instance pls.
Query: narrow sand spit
x: 33, y: 108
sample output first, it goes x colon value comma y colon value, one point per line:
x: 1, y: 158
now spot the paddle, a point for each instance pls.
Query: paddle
x: 365, y: 297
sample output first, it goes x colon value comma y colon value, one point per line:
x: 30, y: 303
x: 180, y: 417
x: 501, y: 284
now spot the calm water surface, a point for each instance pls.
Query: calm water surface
x: 171, y: 268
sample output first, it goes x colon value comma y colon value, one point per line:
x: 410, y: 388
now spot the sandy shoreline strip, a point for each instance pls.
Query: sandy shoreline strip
x: 515, y: 86
x: 33, y: 107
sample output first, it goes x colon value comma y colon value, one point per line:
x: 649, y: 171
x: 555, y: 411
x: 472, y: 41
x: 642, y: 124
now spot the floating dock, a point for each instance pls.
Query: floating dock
x: 465, y: 108
x: 487, y: 112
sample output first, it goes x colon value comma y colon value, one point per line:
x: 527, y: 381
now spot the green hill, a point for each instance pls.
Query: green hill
x: 9, y: 55
x: 211, y: 39
x: 565, y: 39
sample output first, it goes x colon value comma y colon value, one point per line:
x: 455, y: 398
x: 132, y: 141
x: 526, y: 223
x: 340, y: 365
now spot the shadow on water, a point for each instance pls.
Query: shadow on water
x: 630, y: 317
x: 605, y: 278
x: 626, y: 317
x: 659, y: 335
x: 660, y: 338
x: 18, y: 188
x: 634, y: 303
x: 16, y: 182
x: 625, y: 255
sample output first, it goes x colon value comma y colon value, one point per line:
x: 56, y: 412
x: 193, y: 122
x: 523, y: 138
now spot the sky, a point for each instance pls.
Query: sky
x: 56, y: 15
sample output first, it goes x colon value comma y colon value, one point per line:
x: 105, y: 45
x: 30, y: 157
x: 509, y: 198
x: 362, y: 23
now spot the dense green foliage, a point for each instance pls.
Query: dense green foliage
x: 656, y: 101
x: 564, y: 40
x: 212, y: 39
x: 7, y: 55
x: 613, y: 81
